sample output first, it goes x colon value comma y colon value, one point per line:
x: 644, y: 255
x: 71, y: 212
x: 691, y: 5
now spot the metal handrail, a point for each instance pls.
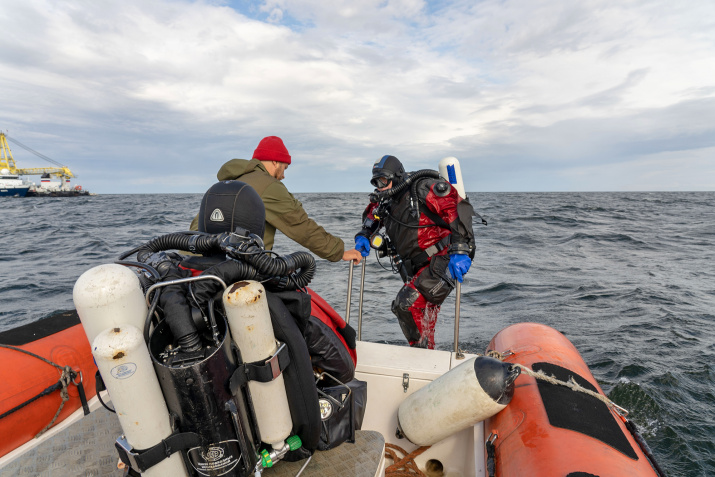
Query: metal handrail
x: 458, y: 290
x: 362, y: 290
x: 350, y: 292
x: 457, y: 303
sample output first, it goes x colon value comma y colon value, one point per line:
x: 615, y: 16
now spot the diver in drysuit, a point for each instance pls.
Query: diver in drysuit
x: 429, y: 227
x: 229, y: 246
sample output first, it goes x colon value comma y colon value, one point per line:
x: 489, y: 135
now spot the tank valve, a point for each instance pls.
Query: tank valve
x: 268, y: 459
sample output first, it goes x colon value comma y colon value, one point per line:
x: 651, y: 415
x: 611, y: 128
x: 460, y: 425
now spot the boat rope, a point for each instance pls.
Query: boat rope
x: 67, y: 376
x: 571, y: 384
x: 574, y: 386
x: 403, y: 466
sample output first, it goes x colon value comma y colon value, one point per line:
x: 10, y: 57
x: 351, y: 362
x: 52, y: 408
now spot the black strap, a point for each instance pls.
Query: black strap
x: 261, y: 371
x: 423, y: 258
x: 491, y: 458
x: 99, y: 386
x: 439, y: 221
x: 83, y: 397
x: 142, y: 460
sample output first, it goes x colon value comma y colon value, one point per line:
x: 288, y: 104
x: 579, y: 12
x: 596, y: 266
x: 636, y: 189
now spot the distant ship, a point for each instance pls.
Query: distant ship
x: 50, y: 188
x: 12, y: 185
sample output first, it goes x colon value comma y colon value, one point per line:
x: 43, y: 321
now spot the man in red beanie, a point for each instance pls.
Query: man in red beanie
x: 283, y: 211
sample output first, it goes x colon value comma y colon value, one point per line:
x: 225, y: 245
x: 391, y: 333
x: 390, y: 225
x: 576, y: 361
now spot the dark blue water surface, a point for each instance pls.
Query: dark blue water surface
x: 629, y: 278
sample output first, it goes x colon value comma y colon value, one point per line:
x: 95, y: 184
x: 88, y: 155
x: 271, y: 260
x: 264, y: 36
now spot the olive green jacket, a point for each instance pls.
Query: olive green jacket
x: 283, y: 211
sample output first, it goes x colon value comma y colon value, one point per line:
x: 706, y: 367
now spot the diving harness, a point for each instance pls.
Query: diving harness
x: 192, y: 366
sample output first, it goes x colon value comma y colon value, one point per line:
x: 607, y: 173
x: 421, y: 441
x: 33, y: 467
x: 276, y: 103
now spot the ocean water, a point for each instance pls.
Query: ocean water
x: 629, y: 278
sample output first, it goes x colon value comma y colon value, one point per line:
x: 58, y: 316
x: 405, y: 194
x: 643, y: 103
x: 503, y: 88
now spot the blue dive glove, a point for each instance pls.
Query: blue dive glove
x: 459, y: 266
x: 362, y: 245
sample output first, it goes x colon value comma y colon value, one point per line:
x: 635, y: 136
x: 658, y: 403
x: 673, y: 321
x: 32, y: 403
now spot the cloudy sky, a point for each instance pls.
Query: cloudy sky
x: 144, y: 96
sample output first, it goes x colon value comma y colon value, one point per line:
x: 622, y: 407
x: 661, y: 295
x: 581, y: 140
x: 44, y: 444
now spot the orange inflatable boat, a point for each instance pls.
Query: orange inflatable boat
x: 551, y: 430
x: 59, y: 339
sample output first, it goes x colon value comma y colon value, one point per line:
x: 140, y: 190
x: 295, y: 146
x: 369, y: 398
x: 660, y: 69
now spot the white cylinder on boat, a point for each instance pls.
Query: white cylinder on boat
x: 473, y: 391
x: 250, y: 323
x: 126, y: 368
x: 450, y: 171
x: 107, y: 296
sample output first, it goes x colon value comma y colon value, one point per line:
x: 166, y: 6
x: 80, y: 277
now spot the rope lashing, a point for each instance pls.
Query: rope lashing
x: 403, y: 466
x: 571, y: 383
x: 67, y: 376
x: 574, y: 386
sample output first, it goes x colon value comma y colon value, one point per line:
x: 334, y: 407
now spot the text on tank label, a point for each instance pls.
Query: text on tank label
x: 123, y: 371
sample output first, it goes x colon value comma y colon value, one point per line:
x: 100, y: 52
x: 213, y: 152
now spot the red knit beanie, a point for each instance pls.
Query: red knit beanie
x: 271, y: 148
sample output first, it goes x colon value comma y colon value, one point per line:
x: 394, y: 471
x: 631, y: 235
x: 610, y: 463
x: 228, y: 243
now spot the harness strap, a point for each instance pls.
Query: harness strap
x: 261, y: 371
x: 99, y: 387
x: 142, y: 460
x: 438, y: 221
x: 423, y: 258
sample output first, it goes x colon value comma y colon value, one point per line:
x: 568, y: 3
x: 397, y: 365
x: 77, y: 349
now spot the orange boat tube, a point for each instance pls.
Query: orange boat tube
x: 550, y: 430
x: 59, y: 339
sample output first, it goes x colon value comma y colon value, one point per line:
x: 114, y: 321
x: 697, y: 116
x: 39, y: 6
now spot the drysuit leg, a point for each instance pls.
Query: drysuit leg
x: 417, y: 303
x: 417, y: 316
x: 402, y: 307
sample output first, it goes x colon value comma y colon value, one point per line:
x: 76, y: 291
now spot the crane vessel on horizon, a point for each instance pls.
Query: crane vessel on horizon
x: 12, y: 185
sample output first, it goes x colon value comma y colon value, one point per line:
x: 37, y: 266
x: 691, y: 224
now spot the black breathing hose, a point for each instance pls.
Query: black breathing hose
x: 194, y: 242
x: 386, y: 194
x: 289, y: 272
x: 248, y: 261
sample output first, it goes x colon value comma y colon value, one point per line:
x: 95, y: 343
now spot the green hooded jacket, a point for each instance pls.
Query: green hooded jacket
x: 283, y: 211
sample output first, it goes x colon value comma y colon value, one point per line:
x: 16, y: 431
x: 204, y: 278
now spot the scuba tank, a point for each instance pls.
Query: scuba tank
x: 250, y: 324
x: 450, y: 171
x: 123, y: 360
x: 111, y: 306
x: 107, y: 296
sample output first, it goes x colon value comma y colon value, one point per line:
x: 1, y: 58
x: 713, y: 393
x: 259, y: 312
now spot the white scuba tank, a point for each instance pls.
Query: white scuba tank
x: 250, y: 323
x: 450, y: 171
x: 469, y: 393
x: 127, y: 370
x: 107, y: 296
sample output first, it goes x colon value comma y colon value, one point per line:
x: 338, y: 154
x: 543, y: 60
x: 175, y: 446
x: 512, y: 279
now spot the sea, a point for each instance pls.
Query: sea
x: 628, y: 277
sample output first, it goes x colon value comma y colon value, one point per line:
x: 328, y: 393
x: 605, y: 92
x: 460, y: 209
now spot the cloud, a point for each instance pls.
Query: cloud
x: 153, y: 89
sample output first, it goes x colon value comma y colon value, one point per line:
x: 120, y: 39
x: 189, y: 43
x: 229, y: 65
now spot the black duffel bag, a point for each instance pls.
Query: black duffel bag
x: 342, y: 408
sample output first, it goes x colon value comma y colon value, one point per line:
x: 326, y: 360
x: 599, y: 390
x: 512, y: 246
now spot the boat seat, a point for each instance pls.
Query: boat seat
x: 364, y: 458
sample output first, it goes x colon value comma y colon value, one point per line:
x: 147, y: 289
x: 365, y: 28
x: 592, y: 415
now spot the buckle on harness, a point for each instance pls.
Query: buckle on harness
x: 127, y: 454
x: 273, y: 362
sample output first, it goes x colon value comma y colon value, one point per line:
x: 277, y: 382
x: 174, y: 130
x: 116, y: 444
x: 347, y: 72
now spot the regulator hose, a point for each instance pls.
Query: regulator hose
x: 279, y: 273
x: 289, y: 272
x: 194, y: 242
x: 386, y: 194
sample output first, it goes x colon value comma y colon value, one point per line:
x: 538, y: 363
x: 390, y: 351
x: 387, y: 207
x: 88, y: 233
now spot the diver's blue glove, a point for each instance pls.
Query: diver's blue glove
x: 362, y: 245
x: 459, y: 266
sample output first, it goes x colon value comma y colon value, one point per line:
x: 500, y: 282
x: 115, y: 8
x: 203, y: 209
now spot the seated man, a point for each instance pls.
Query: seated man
x: 283, y: 211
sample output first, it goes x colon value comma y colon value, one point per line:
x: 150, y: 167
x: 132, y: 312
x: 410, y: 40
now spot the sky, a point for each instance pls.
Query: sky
x: 152, y: 96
